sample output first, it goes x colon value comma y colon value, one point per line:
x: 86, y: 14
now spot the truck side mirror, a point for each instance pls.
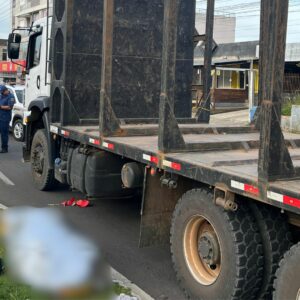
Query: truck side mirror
x: 13, y: 46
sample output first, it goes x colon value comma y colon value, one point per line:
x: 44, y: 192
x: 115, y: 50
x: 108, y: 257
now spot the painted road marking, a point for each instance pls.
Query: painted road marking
x: 5, y: 179
x: 119, y: 278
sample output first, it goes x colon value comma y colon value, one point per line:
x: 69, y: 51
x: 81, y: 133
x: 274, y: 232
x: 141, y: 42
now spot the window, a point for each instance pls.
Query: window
x: 34, y: 51
x: 37, y: 51
x: 231, y: 79
x: 198, y: 77
x: 20, y: 95
x: 23, y: 49
x: 4, y: 54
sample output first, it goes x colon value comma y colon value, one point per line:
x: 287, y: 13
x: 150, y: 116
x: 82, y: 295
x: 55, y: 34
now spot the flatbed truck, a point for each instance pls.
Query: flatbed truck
x: 118, y: 120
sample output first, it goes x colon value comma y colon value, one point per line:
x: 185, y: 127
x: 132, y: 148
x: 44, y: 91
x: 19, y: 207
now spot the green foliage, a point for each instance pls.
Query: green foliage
x: 119, y: 289
x: 287, y: 106
x: 12, y: 291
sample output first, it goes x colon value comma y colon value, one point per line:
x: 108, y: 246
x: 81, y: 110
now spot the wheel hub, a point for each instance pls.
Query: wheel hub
x: 208, y: 248
x: 202, y: 250
x: 18, y: 131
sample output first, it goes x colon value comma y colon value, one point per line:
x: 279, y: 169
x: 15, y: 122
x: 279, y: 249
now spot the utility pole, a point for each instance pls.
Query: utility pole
x: 203, y: 116
x: 274, y: 158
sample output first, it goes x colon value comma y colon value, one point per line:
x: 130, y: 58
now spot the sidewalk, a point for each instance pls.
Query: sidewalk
x: 231, y: 118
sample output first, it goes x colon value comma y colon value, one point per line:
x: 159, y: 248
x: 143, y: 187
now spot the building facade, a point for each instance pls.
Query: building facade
x: 24, y: 12
x: 3, y: 50
x: 224, y: 27
x: 235, y: 73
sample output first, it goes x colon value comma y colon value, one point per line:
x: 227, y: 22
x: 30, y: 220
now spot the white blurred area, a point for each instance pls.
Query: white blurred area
x: 42, y: 251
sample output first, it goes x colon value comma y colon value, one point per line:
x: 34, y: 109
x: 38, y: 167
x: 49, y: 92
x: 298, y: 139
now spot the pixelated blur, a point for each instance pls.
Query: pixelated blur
x: 44, y: 252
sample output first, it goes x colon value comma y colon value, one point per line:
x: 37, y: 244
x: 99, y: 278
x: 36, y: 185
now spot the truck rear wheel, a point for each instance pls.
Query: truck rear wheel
x: 287, y: 283
x: 43, y: 176
x: 276, y: 240
x: 216, y: 254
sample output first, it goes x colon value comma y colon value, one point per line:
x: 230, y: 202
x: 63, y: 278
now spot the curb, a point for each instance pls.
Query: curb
x: 136, y: 291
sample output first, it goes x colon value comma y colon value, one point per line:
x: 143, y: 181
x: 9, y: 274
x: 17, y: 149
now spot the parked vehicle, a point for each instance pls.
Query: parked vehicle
x: 118, y: 120
x: 16, y: 124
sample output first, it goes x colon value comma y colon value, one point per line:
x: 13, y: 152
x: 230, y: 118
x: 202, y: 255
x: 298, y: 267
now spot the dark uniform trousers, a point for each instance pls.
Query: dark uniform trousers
x: 5, y: 117
x: 4, y: 131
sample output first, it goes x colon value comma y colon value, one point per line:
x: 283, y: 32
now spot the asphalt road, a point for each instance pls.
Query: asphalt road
x: 113, y: 224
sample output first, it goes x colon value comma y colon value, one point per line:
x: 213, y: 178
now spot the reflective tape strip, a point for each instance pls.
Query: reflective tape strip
x: 65, y: 133
x: 172, y: 165
x: 245, y: 187
x: 150, y: 158
x: 94, y: 142
x: 54, y: 129
x: 275, y: 196
x: 108, y: 146
x: 284, y: 199
x: 237, y: 185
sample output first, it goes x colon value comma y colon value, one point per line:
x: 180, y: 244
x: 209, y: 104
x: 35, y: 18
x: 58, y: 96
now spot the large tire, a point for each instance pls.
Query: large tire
x: 43, y: 176
x: 276, y: 238
x: 18, y: 130
x: 239, y: 269
x: 287, y: 283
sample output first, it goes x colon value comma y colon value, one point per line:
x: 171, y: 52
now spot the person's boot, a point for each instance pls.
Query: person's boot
x: 4, y: 150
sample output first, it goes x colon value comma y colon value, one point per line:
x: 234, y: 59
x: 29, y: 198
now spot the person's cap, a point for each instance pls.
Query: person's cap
x: 3, y: 88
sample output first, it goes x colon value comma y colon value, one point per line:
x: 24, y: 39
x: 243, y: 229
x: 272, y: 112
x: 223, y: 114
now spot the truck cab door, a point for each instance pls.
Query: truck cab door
x: 34, y: 68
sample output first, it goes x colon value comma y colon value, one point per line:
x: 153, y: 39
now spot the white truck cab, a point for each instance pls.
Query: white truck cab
x: 37, y: 71
x: 37, y: 83
x: 35, y: 48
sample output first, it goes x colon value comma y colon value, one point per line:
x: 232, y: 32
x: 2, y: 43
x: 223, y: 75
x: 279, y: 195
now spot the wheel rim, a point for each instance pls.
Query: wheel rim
x: 202, y: 250
x: 18, y: 130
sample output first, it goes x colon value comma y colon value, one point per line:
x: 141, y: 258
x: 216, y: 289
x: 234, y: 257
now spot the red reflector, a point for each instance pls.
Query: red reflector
x: 176, y: 166
x: 150, y: 158
x: 108, y: 146
x: 291, y: 201
x: 95, y: 142
x: 154, y: 160
x: 172, y: 165
x: 65, y: 133
x: 251, y: 189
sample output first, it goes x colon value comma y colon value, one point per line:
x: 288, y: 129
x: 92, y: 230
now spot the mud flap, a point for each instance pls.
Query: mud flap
x: 158, y: 205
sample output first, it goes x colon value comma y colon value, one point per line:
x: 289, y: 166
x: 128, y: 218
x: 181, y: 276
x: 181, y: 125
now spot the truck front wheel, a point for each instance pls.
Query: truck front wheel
x: 287, y: 283
x: 216, y: 254
x: 18, y: 130
x: 43, y: 176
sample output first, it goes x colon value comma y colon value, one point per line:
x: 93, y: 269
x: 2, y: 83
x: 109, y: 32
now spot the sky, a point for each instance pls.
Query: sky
x: 245, y: 11
x: 5, y: 18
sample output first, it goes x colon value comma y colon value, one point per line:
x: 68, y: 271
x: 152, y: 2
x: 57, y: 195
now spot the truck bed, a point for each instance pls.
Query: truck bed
x: 228, y: 157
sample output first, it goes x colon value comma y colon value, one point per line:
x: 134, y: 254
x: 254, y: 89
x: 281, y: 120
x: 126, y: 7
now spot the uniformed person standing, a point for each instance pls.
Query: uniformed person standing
x: 7, y: 102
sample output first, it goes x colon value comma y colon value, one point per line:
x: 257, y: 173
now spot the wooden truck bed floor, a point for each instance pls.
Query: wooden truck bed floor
x: 227, y: 160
